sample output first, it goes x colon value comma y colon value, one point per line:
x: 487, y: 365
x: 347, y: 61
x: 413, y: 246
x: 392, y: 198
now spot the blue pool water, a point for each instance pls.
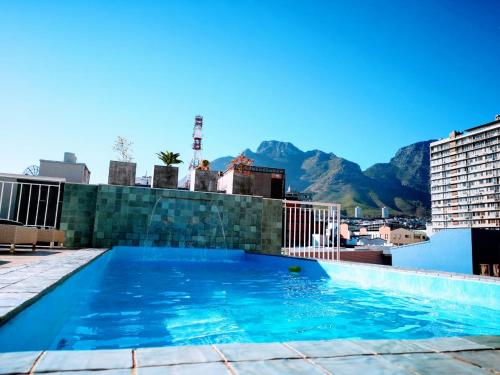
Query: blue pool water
x: 140, y: 297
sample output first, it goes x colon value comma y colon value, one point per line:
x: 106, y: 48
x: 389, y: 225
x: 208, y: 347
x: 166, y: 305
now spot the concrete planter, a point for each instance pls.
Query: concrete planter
x: 204, y: 180
x: 121, y: 173
x: 165, y: 177
x: 243, y: 184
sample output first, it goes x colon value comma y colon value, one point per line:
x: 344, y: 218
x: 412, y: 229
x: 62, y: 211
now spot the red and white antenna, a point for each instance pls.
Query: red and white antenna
x: 197, y: 137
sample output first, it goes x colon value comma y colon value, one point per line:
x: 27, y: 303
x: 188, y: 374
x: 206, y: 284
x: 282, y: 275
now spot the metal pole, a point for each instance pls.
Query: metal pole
x: 289, y: 229
x: 29, y: 204
x: 38, y: 203
x: 10, y: 199
x: 19, y: 203
x: 1, y: 196
x: 57, y: 205
x: 309, y: 234
x: 338, y: 232
x: 294, y: 227
x: 300, y: 230
x: 46, y: 206
x: 284, y: 227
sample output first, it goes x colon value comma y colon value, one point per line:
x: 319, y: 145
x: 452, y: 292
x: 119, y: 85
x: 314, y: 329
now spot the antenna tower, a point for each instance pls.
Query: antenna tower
x: 197, y: 137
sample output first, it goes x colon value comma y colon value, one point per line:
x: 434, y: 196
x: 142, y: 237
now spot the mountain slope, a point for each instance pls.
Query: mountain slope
x: 401, y: 184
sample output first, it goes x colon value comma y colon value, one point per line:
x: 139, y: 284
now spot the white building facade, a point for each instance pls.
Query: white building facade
x: 465, y: 178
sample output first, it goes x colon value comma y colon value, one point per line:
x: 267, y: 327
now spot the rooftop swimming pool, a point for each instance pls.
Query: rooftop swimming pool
x: 145, y: 297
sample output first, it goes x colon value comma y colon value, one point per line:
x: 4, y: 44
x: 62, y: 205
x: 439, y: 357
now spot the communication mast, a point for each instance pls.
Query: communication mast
x: 197, y: 137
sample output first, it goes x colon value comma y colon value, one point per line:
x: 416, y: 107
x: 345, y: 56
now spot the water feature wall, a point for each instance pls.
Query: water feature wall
x: 135, y: 216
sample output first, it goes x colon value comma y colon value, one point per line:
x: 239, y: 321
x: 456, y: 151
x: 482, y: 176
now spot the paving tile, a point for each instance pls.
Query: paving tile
x: 451, y: 344
x: 490, y: 341
x: 176, y: 355
x: 85, y: 360
x: 394, y: 346
x: 213, y: 368
x: 489, y: 359
x: 254, y: 352
x: 432, y: 364
x: 98, y: 372
x: 14, y: 299
x: 364, y: 364
x: 276, y: 367
x: 18, y: 362
x: 329, y: 348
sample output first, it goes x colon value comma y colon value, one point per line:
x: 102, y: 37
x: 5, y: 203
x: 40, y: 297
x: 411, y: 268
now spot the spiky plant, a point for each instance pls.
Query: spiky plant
x: 169, y: 158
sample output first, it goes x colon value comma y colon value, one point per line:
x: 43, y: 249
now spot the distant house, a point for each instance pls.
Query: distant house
x: 68, y: 169
x: 402, y: 236
x: 253, y: 180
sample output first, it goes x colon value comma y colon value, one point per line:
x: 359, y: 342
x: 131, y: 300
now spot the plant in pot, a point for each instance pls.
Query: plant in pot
x: 122, y: 171
x: 203, y: 179
x: 166, y: 176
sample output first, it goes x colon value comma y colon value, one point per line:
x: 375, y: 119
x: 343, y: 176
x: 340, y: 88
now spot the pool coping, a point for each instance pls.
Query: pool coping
x: 23, y: 285
x: 472, y: 354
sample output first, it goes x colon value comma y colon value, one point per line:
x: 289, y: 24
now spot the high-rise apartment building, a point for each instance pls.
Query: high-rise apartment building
x: 465, y: 178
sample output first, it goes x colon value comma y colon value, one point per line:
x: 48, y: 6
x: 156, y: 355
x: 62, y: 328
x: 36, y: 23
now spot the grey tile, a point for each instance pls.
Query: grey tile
x: 329, y: 348
x: 451, y: 344
x: 176, y: 355
x: 98, y: 372
x: 364, y: 364
x: 489, y: 359
x: 18, y: 362
x: 14, y: 299
x: 85, y: 360
x: 490, y: 341
x: 276, y: 367
x: 394, y: 346
x: 213, y: 368
x: 254, y: 352
x: 432, y: 364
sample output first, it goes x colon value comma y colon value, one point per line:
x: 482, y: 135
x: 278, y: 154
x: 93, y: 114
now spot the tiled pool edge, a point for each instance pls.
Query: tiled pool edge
x: 449, y: 355
x: 15, y: 298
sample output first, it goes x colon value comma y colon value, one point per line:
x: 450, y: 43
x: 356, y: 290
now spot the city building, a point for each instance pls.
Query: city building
x: 465, y: 178
x: 385, y: 212
x: 68, y: 169
x: 358, y: 212
x: 253, y: 180
x: 402, y: 236
x: 298, y: 195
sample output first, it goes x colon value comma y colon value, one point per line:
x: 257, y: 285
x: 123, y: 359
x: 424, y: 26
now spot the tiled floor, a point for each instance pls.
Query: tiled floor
x: 28, y: 274
x: 413, y: 357
x: 22, y: 281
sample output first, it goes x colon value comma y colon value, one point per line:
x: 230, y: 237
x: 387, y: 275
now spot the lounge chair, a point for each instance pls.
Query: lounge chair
x: 51, y: 236
x: 18, y: 235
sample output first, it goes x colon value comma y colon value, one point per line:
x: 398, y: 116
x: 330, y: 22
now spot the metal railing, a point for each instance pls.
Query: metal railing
x: 311, y: 230
x: 33, y: 204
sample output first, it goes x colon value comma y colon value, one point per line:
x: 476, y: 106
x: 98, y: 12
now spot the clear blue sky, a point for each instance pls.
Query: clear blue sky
x: 357, y: 78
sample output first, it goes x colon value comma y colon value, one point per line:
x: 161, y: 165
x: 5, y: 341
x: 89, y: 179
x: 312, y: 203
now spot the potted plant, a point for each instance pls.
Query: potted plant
x: 165, y: 176
x: 203, y: 179
x: 122, y: 171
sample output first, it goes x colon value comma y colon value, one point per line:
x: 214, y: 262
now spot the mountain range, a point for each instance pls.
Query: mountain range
x: 402, y: 184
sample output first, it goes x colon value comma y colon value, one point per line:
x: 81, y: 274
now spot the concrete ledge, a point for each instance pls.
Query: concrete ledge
x: 21, y: 286
x: 438, y: 355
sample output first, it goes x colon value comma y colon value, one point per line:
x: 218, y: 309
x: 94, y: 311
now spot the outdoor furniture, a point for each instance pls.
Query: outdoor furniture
x: 18, y: 235
x: 51, y: 236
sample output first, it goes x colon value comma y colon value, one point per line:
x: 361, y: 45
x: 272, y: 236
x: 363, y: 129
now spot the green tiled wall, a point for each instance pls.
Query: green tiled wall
x: 158, y: 217
x: 272, y: 225
x: 78, y: 213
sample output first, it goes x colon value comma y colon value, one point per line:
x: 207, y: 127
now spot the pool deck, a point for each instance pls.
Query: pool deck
x: 24, y: 281
x: 471, y: 355
x: 26, y: 276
